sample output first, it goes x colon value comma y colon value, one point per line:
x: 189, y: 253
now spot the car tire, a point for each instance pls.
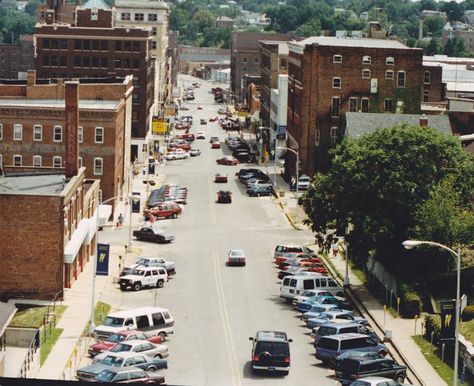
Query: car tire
x: 174, y: 215
x: 158, y: 356
x: 400, y: 378
x: 137, y: 286
x: 162, y: 335
x: 151, y: 369
x: 123, y: 287
x: 382, y: 353
x: 160, y: 283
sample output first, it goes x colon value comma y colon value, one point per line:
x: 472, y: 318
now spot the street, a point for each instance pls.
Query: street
x: 217, y: 308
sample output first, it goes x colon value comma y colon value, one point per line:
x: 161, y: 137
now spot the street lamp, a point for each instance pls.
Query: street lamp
x: 297, y: 163
x: 94, y: 263
x: 409, y: 244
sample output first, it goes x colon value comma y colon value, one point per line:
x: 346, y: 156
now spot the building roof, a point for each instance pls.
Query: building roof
x: 282, y: 46
x: 251, y: 40
x: 204, y: 58
x: 95, y: 4
x: 84, y: 104
x: 353, y: 42
x: 7, y: 311
x: 37, y: 184
x: 358, y: 124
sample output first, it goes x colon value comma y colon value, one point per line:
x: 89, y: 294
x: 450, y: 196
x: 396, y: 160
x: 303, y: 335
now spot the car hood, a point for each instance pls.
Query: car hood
x: 102, y: 346
x: 94, y: 368
x: 131, y: 277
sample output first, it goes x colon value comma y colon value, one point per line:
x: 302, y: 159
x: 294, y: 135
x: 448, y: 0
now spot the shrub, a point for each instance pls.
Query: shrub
x: 433, y: 324
x: 410, y: 302
x: 467, y: 313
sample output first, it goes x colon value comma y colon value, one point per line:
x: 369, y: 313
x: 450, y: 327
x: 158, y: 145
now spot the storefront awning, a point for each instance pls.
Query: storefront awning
x: 104, y: 213
x: 77, y: 238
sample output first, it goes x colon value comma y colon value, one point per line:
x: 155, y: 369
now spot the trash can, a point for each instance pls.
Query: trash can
x: 282, y: 193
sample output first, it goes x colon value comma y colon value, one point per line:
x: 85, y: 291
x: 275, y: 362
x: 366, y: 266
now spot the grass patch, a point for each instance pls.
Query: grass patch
x: 429, y: 351
x: 48, y: 343
x: 33, y: 317
x: 101, y: 310
x: 467, y: 330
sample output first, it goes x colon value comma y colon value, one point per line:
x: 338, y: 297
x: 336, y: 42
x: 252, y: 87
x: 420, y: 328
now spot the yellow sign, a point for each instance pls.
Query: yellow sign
x: 159, y: 126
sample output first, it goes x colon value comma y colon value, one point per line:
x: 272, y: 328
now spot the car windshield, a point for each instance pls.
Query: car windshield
x: 138, y: 272
x: 116, y: 338
x: 112, y: 361
x: 105, y: 376
x: 143, y: 261
x: 113, y: 322
x: 236, y: 253
x: 121, y: 348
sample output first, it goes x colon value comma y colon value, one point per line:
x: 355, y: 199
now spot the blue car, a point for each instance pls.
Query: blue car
x: 317, y: 300
x: 331, y: 316
x: 317, y: 310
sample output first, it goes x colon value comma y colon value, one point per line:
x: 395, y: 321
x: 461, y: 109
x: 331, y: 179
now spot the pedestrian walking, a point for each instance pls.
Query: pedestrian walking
x: 151, y: 219
x: 120, y: 220
x: 335, y: 248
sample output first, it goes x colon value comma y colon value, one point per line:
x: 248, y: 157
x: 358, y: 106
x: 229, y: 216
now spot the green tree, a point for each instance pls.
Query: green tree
x: 453, y: 10
x: 455, y: 47
x: 30, y: 8
x: 380, y: 181
x: 434, y: 25
x: 310, y: 28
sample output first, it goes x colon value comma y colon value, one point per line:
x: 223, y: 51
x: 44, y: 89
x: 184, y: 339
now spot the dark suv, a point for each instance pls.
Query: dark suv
x: 271, y: 351
x: 351, y: 369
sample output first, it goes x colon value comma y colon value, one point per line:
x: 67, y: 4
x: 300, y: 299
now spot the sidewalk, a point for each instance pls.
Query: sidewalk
x: 402, y: 329
x: 63, y: 358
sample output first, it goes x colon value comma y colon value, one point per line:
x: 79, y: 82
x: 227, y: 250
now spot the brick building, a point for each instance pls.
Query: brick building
x: 32, y: 132
x: 329, y: 76
x: 47, y: 222
x: 16, y: 59
x: 245, y: 58
x: 192, y: 58
x: 91, y: 45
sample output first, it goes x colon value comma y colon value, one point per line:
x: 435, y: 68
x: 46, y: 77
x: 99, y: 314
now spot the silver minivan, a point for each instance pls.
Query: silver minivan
x: 332, y: 328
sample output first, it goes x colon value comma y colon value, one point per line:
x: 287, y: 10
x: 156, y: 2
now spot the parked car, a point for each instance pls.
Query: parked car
x: 215, y: 145
x: 174, y: 155
x: 333, y: 328
x: 260, y: 190
x: 334, y: 315
x: 144, y: 277
x: 317, y: 300
x: 213, y: 139
x: 166, y: 209
x: 170, y: 266
x: 214, y: 118
x: 121, y: 359
x: 220, y: 177
x: 308, y: 294
x: 200, y: 135
x: 351, y: 369
x: 227, y: 160
x: 154, y: 234
x: 224, y: 197
x: 303, y: 182
x: 194, y: 152
x: 151, y: 350
x: 236, y: 257
x: 376, y: 381
x: 271, y: 351
x: 123, y: 336
x: 126, y: 374
x: 245, y: 156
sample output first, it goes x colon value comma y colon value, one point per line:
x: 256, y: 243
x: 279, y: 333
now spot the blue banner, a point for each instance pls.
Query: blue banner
x: 103, y: 252
x: 448, y: 319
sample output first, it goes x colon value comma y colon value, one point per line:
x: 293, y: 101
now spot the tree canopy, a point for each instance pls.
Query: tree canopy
x: 385, y: 184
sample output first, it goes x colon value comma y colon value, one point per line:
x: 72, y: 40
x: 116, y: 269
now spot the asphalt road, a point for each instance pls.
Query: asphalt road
x: 217, y: 308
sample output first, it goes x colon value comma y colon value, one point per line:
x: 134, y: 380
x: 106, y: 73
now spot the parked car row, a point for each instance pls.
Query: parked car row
x: 257, y: 182
x: 241, y: 150
x: 129, y: 347
x: 167, y: 193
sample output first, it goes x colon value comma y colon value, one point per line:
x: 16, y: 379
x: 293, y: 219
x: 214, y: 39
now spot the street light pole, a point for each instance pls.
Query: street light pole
x: 409, y: 244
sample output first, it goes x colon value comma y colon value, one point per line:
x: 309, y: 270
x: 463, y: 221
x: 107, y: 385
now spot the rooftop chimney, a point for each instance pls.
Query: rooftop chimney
x: 31, y: 77
x: 72, y: 123
x: 423, y: 121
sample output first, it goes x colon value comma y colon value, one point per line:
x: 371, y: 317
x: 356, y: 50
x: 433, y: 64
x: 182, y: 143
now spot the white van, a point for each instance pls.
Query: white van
x: 295, y: 285
x: 150, y: 319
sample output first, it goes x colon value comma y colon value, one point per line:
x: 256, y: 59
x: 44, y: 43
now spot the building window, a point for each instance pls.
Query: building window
x: 94, y: 14
x: 389, y: 74
x: 366, y: 60
x: 58, y: 133
x: 77, y: 61
x: 426, y: 96
x: 37, y: 160
x: 334, y: 132
x: 17, y: 160
x: 244, y: 60
x: 336, y: 82
x: 244, y: 69
x: 389, y: 61
x: 427, y: 77
x: 335, y: 107
x: 153, y: 44
x: 139, y: 17
x: 364, y: 105
x: 401, y: 79
x: 125, y: 16
x: 99, y: 135
x: 365, y: 74
x: 1, y: 131
x: 153, y: 31
x: 80, y: 134
x: 79, y: 162
x: 283, y: 64
x: 37, y: 133
x: 256, y: 60
x: 57, y: 162
x: 353, y: 104
x: 337, y: 59
x: 17, y: 132
x: 388, y: 106
x: 98, y: 166
x: 152, y: 17
x: 317, y: 139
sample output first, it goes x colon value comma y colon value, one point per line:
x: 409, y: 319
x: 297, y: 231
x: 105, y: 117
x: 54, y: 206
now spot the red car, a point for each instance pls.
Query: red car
x: 167, y: 209
x: 227, y: 160
x: 213, y: 119
x: 219, y: 177
x: 300, y: 256
x: 215, y: 145
x: 112, y: 340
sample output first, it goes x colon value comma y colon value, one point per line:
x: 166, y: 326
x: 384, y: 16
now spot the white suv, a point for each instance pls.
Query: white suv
x: 143, y: 276
x: 303, y: 182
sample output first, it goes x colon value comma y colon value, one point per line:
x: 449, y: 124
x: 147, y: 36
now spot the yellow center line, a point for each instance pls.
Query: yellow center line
x: 231, y: 353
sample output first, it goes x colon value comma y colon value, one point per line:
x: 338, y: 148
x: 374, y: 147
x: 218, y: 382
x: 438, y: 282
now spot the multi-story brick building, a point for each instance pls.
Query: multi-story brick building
x: 91, y: 45
x: 245, y: 58
x: 58, y: 237
x: 32, y: 132
x: 329, y: 76
x: 16, y: 59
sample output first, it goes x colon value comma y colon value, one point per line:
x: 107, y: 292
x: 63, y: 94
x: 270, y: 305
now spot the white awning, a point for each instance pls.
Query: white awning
x: 104, y: 213
x: 77, y: 238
